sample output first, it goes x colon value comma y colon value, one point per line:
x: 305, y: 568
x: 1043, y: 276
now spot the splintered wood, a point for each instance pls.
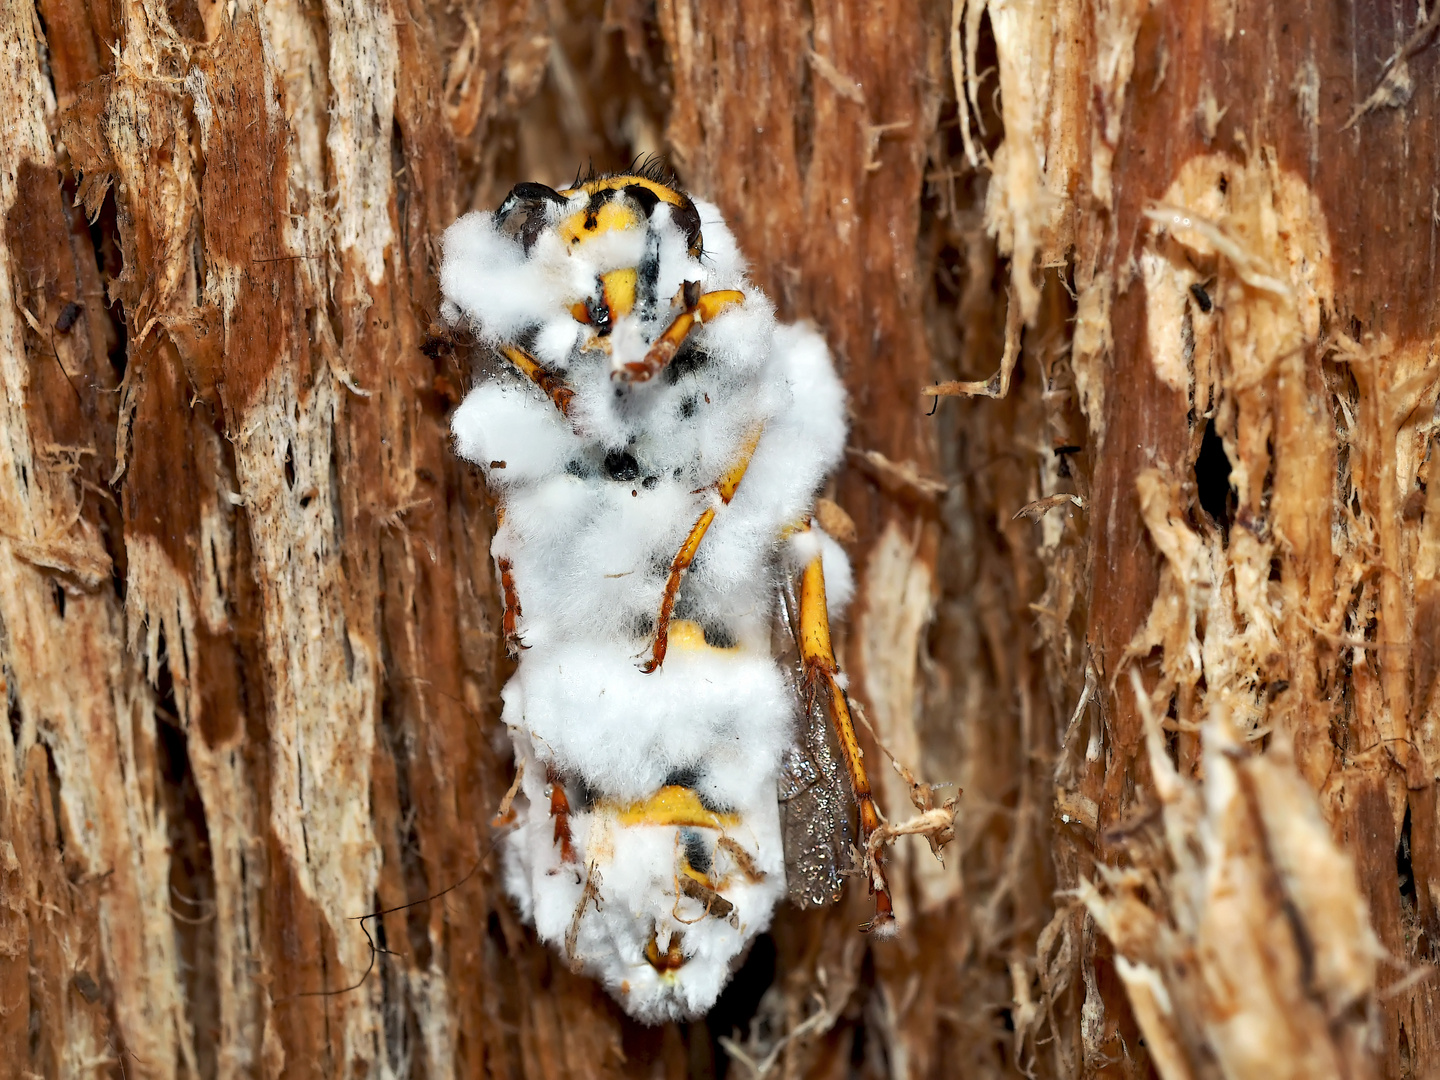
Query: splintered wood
x: 1261, y: 955
x: 1253, y: 363
x: 1157, y: 582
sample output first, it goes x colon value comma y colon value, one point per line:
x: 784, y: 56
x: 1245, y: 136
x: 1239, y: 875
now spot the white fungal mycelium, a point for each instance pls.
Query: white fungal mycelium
x: 596, y: 502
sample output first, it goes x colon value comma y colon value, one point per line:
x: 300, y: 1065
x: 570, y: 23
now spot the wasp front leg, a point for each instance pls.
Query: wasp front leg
x: 822, y: 680
x: 695, y: 310
x: 553, y: 386
x: 723, y: 491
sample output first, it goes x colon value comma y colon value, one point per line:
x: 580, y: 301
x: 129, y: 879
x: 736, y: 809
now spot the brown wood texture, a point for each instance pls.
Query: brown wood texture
x: 251, y: 636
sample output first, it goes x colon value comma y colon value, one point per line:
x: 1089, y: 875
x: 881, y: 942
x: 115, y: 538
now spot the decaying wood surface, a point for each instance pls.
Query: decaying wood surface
x: 1160, y: 591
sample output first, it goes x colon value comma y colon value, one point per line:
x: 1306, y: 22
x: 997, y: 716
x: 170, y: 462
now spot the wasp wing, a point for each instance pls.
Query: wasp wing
x: 816, y: 811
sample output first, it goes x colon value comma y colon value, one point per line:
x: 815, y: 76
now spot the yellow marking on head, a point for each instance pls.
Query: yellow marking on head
x: 587, y: 224
x: 614, y: 183
x: 671, y: 805
x: 619, y: 291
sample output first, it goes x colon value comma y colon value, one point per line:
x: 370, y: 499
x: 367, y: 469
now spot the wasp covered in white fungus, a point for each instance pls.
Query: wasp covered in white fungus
x: 655, y: 442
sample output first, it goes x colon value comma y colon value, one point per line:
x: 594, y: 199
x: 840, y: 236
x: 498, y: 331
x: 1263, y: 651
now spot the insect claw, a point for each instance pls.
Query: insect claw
x: 882, y: 926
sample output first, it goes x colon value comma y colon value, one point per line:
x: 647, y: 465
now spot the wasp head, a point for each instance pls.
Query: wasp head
x: 614, y: 270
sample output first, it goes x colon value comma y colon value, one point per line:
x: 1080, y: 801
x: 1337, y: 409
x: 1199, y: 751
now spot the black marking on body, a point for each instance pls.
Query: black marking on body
x: 599, y: 311
x: 697, y: 854
x: 686, y: 776
x: 621, y: 465
x: 717, y: 635
x: 586, y: 796
x: 647, y: 277
x: 525, y: 341
x: 660, y: 568
x: 690, y: 359
x: 592, y: 208
x: 686, y: 607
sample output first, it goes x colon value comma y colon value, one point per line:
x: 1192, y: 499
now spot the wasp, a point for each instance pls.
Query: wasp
x: 654, y: 440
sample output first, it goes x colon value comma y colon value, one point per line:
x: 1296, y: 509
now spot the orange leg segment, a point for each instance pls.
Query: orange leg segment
x: 725, y: 487
x: 510, y: 614
x: 821, y: 673
x: 553, y: 385
x: 665, y: 347
x: 560, y: 811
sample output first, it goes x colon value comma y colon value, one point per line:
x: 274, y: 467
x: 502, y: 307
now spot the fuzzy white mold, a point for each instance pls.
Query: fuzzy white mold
x: 665, y: 782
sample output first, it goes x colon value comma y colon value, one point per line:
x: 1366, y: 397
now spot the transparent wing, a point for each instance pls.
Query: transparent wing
x: 816, y: 811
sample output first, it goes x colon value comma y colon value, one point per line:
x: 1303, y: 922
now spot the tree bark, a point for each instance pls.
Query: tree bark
x: 1160, y: 591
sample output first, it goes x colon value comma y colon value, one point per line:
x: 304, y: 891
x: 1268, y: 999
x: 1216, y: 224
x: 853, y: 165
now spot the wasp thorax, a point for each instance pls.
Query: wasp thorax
x: 655, y: 441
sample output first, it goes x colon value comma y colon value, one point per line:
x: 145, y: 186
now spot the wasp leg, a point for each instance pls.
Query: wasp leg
x: 725, y: 488
x: 560, y: 811
x: 553, y: 385
x: 699, y: 310
x: 821, y: 677
x: 510, y: 613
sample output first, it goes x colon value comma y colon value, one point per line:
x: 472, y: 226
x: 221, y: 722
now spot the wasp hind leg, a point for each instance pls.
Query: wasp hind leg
x: 822, y: 681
